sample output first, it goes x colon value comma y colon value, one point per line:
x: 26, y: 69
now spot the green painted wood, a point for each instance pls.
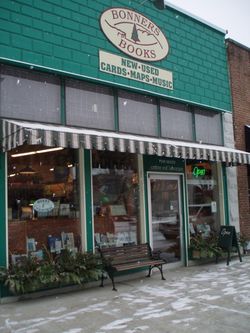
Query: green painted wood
x: 191, y: 109
x: 88, y: 199
x: 225, y: 196
x: 63, y: 108
x: 3, y: 241
x: 65, y: 36
x: 146, y: 206
x: 116, y: 110
x: 158, y: 118
x: 222, y: 130
x: 155, y: 164
x: 185, y: 215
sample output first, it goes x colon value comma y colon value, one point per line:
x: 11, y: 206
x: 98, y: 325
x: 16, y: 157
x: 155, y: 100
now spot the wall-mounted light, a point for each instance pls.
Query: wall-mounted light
x: 159, y: 4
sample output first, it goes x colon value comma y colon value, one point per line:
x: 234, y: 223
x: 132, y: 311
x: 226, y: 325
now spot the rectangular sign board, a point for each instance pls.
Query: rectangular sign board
x: 135, y: 70
x: 227, y: 240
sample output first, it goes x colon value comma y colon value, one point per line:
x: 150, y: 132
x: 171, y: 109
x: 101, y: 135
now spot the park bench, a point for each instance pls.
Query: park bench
x: 129, y: 257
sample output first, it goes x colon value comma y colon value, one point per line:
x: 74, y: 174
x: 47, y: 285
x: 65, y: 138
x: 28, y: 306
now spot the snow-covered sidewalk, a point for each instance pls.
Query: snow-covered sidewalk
x: 209, y: 298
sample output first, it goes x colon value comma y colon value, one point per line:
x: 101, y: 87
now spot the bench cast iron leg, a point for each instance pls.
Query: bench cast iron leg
x: 228, y: 257
x: 113, y: 284
x: 238, y: 250
x: 102, y: 279
x: 217, y: 258
x: 149, y: 271
x: 112, y: 279
x: 160, y: 269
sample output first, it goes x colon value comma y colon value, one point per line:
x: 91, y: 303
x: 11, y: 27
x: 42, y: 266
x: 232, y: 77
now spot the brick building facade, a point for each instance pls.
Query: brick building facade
x: 239, y: 67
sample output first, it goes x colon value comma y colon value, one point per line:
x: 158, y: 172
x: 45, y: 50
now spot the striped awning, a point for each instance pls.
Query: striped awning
x: 16, y: 133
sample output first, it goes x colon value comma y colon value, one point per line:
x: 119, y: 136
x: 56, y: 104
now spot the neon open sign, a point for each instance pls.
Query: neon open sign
x: 199, y: 172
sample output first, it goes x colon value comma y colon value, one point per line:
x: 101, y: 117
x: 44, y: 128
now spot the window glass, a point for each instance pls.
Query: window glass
x: 89, y: 105
x: 29, y: 95
x: 203, y: 198
x: 137, y: 114
x: 176, y: 121
x: 116, y: 198
x: 166, y: 219
x: 43, y: 201
x: 208, y: 126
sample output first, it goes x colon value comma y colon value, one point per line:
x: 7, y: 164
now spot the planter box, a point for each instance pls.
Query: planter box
x: 200, y: 254
x: 195, y: 254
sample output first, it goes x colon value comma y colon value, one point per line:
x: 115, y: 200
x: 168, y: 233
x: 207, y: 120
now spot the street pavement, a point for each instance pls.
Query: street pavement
x: 209, y: 298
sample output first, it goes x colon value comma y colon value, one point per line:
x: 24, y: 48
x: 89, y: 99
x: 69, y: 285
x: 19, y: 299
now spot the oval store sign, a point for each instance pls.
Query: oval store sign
x: 43, y: 205
x: 134, y: 34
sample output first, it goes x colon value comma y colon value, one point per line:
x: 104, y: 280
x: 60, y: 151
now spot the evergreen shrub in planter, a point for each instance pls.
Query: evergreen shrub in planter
x: 52, y: 272
x: 204, y: 247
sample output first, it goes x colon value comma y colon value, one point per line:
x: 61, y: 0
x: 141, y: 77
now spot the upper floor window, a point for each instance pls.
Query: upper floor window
x: 208, y: 126
x: 137, y: 114
x: 34, y: 96
x: 29, y: 95
x: 89, y: 105
x: 176, y: 121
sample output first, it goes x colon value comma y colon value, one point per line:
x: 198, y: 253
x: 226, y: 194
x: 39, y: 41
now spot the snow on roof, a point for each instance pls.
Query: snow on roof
x: 195, y: 17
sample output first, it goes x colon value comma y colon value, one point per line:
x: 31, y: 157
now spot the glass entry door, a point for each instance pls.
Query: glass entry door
x: 165, y: 215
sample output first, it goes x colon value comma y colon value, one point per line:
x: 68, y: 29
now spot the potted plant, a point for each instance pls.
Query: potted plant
x: 243, y: 241
x: 204, y: 247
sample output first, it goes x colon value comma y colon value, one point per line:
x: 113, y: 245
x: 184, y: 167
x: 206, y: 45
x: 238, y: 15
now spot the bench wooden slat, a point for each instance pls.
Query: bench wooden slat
x: 125, y: 267
x: 125, y: 258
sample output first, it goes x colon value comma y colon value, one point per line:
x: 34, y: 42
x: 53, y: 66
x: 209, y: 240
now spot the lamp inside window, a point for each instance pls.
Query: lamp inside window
x: 27, y: 171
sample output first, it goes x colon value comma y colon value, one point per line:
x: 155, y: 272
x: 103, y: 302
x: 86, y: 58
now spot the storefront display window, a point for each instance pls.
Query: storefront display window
x: 203, y: 198
x: 116, y: 198
x: 43, y: 200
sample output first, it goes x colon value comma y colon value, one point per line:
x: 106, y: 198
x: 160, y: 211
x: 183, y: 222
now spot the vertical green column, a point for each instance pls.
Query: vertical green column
x: 146, y: 203
x: 63, y: 108
x: 225, y: 196
x: 222, y: 129
x: 185, y: 214
x: 159, y: 118
x: 3, y: 240
x: 145, y: 179
x: 88, y: 200
x: 116, y: 110
x: 191, y: 109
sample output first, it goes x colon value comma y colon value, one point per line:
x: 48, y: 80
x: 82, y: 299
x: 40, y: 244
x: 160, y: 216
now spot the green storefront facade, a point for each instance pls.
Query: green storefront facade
x: 136, y: 101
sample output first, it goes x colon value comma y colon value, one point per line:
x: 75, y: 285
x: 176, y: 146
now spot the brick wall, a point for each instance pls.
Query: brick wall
x: 65, y: 36
x: 40, y: 229
x: 239, y: 67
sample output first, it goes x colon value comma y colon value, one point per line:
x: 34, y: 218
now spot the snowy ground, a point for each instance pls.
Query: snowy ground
x: 211, y: 298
